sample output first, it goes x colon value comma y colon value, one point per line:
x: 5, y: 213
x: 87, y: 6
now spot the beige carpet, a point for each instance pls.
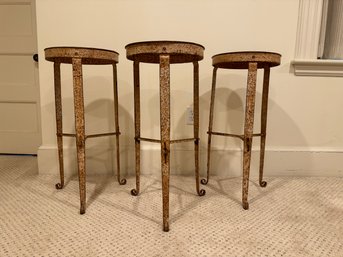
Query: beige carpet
x: 291, y: 217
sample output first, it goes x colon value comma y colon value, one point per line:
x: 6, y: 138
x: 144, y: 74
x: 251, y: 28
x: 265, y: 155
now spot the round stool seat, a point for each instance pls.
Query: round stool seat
x: 240, y: 60
x: 150, y: 51
x: 88, y: 55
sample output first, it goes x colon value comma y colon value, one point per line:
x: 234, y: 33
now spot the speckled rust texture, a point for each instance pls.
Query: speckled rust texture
x: 210, y: 124
x: 264, y: 112
x: 165, y: 134
x: 178, y: 52
x: 251, y: 61
x: 59, y: 124
x: 241, y: 60
x: 87, y: 55
x: 77, y: 56
x: 136, y: 88
x: 248, y: 129
x: 80, y: 129
x: 165, y: 53
x: 201, y: 192
x: 116, y: 122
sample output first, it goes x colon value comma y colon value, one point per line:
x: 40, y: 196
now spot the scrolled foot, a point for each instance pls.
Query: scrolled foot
x: 202, y: 192
x: 82, y: 211
x: 59, y: 186
x: 122, y: 181
x: 263, y: 183
x: 165, y: 228
x: 204, y: 181
x: 134, y: 192
x: 245, y: 205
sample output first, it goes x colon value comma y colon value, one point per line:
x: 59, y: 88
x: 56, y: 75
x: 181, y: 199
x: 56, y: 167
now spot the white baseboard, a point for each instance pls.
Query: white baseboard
x: 286, y: 162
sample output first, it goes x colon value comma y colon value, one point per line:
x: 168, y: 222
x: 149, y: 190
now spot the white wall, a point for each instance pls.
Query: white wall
x: 305, y: 128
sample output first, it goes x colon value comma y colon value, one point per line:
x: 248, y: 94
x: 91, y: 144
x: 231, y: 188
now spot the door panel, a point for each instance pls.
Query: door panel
x: 17, y: 117
x: 19, y: 91
x: 19, y: 27
x: 19, y: 81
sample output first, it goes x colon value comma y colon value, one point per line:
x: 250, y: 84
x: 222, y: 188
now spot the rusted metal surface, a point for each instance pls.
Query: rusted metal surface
x: 80, y: 129
x: 183, y: 140
x: 91, y: 136
x: 171, y: 141
x: 103, y: 135
x: 241, y: 60
x: 232, y: 135
x: 165, y: 134
x: 264, y: 111
x: 59, y: 125
x: 251, y: 61
x: 116, y: 123
x: 136, y: 88
x: 248, y: 130
x: 210, y: 124
x: 165, y: 53
x: 78, y: 56
x: 178, y: 51
x: 88, y: 55
x: 201, y: 192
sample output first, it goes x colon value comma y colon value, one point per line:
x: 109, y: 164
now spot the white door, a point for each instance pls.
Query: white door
x: 19, y: 91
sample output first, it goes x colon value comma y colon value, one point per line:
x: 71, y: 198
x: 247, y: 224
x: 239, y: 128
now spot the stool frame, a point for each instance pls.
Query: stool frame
x: 165, y: 53
x: 251, y: 61
x: 78, y: 56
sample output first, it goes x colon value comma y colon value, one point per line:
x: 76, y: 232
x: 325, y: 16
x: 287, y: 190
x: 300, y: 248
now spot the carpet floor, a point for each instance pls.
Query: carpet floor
x: 292, y: 216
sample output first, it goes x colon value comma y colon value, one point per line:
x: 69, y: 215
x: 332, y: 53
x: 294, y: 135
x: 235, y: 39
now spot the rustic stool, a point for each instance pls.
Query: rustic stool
x: 251, y: 61
x: 165, y: 53
x: 77, y: 56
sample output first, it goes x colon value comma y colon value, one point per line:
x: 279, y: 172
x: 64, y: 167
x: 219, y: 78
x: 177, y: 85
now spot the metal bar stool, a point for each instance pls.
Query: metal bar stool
x: 78, y: 56
x: 251, y: 61
x: 165, y: 53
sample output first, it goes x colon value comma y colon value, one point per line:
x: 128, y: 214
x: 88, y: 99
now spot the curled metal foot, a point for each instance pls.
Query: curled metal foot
x: 263, y: 183
x: 122, y: 181
x: 202, y: 192
x: 204, y: 181
x: 245, y: 205
x: 82, y: 211
x: 59, y: 186
x: 134, y: 192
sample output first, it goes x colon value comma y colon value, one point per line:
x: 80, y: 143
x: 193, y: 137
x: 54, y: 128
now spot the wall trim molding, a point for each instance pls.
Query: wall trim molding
x: 307, y: 44
x: 323, y: 68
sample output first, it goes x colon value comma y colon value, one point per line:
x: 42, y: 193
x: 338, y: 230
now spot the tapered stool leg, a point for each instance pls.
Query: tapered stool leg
x: 137, y: 125
x: 264, y: 111
x: 80, y: 130
x: 248, y: 130
x: 213, y: 93
x: 165, y: 134
x: 59, y: 126
x: 200, y: 192
x: 116, y: 121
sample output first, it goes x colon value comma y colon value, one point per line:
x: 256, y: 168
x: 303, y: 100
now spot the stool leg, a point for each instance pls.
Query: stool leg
x: 264, y: 111
x: 214, y: 77
x: 116, y: 119
x: 248, y: 130
x: 59, y: 126
x: 200, y: 192
x: 80, y: 129
x: 165, y: 134
x: 137, y: 125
